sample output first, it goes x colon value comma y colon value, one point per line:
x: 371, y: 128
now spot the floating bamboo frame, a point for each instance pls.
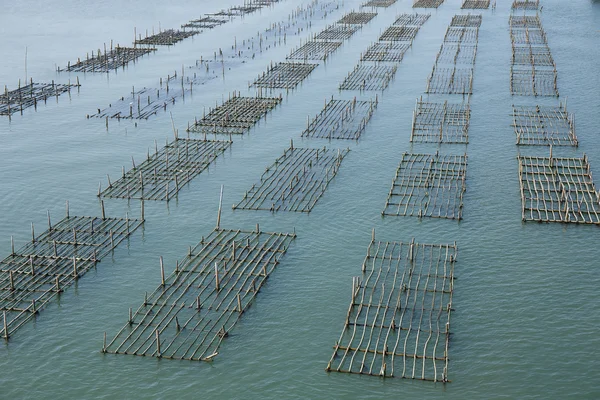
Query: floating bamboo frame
x: 456, y: 53
x: 525, y: 22
x: 558, y: 190
x: 428, y: 185
x: 440, y: 123
x: 379, y: 3
x: 450, y: 80
x: 369, y: 77
x: 385, y: 51
x: 236, y: 116
x: 398, y: 322
x: 528, y: 37
x: 401, y: 33
x: 110, y: 60
x: 427, y: 3
x: 198, y: 305
x: 467, y: 21
x: 539, y: 56
x: 533, y: 81
x: 295, y: 182
x: 341, y: 119
x: 526, y: 5
x: 284, y: 75
x: 338, y: 32
x: 163, y: 174
x: 23, y: 97
x: 412, y: 19
x: 544, y: 126
x: 357, y: 18
x: 166, y: 38
x: 475, y: 4
x: 468, y: 35
x: 53, y: 261
x: 314, y: 50
x: 207, y: 22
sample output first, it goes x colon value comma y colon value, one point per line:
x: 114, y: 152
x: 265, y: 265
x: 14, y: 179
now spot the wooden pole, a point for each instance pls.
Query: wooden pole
x: 162, y: 272
x: 220, y: 207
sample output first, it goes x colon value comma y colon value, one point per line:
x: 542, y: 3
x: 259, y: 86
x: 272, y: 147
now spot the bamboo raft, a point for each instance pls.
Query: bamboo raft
x: 295, y: 182
x: 314, y: 50
x: 544, y: 126
x: 53, y: 261
x: 369, y: 77
x: 427, y: 3
x: 206, y: 22
x: 165, y: 38
x: 467, y: 21
x: 357, y: 18
x: 538, y: 56
x: 558, y: 190
x: 412, y: 19
x: 525, y: 22
x: 236, y: 116
x: 284, y: 75
x: 456, y: 53
x: 338, y: 32
x: 379, y: 3
x: 440, y: 123
x: 462, y: 35
x: 475, y: 4
x: 450, y: 81
x: 533, y: 81
x: 399, y: 33
x: 163, y: 174
x: 110, y: 60
x: 341, y: 119
x: 385, y: 52
x: 528, y: 37
x: 428, y: 185
x: 398, y: 322
x: 195, y: 308
x: 23, y: 97
x: 526, y: 5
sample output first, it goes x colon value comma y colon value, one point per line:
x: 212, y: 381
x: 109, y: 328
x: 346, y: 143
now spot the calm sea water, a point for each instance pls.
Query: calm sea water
x: 526, y: 320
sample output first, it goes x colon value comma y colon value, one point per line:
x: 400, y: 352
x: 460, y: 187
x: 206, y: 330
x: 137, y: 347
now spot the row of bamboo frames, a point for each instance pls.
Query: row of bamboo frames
x: 29, y: 95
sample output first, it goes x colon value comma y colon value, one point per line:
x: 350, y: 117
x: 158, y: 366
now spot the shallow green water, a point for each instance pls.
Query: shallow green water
x: 526, y: 296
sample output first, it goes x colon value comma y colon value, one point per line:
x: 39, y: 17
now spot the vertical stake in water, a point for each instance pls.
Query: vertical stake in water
x: 5, y: 326
x: 219, y: 212
x: 162, y: 272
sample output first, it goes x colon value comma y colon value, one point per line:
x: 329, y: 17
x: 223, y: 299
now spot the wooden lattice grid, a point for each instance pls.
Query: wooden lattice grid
x: 526, y: 5
x: 314, y: 50
x: 236, y: 116
x: 341, y: 119
x: 166, y: 38
x: 357, y: 18
x: 526, y: 37
x: 412, y: 19
x: 544, y: 126
x: 533, y: 81
x: 427, y: 3
x: 450, y: 80
x: 467, y: 20
x: 110, y: 60
x: 468, y: 35
x: 284, y: 75
x: 440, y: 123
x: 456, y: 53
x: 198, y: 305
x: 369, y: 77
x: 525, y: 22
x: 163, y: 174
x: 399, y: 33
x: 398, y: 322
x: 379, y: 3
x: 295, y: 182
x: 385, y: 51
x: 428, y: 185
x: 539, y: 56
x: 207, y: 22
x: 558, y: 190
x: 475, y: 4
x: 13, y: 101
x: 43, y: 268
x: 338, y: 32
